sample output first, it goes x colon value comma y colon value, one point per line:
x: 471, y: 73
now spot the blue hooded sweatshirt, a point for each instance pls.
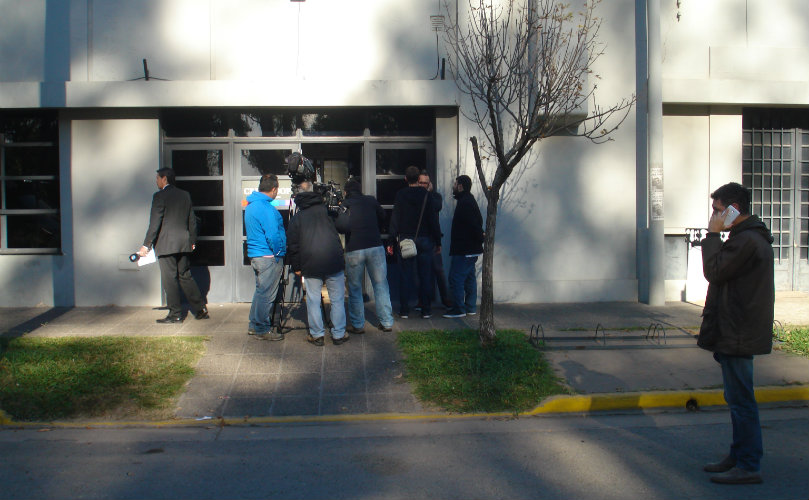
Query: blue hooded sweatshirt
x: 265, y: 227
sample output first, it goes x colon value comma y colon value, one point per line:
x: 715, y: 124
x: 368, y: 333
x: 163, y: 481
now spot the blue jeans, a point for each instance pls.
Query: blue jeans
x: 372, y: 259
x: 463, y: 284
x: 421, y: 264
x: 268, y: 274
x: 336, y: 287
x: 737, y: 376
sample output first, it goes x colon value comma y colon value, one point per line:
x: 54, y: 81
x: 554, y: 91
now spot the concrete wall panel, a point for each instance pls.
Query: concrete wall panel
x: 114, y: 163
x: 22, y: 43
x: 27, y: 280
x: 686, y: 163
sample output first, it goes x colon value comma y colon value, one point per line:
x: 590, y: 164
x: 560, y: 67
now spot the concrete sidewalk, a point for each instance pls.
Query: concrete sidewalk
x: 241, y: 377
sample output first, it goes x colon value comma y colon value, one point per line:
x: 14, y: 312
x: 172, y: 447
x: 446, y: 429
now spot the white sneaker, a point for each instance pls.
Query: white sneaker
x: 458, y: 315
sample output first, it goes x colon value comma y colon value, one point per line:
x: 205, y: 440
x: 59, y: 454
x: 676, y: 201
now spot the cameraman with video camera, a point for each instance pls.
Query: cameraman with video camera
x: 314, y: 251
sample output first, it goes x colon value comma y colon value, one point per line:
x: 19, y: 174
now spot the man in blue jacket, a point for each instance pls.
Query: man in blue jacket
x: 266, y: 247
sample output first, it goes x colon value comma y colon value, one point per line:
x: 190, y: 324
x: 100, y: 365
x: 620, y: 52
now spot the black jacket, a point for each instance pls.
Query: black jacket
x: 365, y: 218
x: 738, y: 314
x: 172, y: 223
x: 405, y: 217
x: 466, y: 237
x: 313, y: 245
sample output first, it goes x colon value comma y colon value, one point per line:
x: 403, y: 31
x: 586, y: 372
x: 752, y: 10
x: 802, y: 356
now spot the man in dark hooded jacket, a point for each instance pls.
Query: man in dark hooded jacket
x: 315, y: 252
x: 737, y: 321
x: 466, y: 245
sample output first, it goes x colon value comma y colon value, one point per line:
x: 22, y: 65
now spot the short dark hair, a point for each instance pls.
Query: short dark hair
x: 412, y: 174
x: 166, y: 172
x: 267, y: 183
x: 465, y: 182
x: 352, y: 185
x: 731, y: 193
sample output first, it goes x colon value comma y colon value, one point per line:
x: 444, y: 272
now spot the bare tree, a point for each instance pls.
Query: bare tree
x: 526, y: 66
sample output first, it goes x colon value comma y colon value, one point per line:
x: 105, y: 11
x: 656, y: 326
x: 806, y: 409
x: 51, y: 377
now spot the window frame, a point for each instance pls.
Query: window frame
x: 6, y: 212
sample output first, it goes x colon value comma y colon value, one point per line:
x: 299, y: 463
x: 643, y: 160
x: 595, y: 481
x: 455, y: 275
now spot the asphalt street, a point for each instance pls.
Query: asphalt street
x: 656, y: 455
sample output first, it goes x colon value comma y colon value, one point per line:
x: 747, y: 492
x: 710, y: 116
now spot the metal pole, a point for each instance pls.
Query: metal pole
x: 656, y: 248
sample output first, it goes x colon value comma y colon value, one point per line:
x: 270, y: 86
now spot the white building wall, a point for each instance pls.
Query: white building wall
x: 27, y: 280
x: 22, y: 44
x: 567, y: 223
x: 113, y: 178
x: 566, y: 220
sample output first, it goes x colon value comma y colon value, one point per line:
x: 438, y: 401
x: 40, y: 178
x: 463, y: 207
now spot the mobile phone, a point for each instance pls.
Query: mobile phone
x: 730, y: 215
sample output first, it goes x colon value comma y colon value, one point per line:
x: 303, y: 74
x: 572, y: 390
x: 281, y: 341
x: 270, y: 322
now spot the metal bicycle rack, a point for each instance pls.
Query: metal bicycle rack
x: 655, y: 337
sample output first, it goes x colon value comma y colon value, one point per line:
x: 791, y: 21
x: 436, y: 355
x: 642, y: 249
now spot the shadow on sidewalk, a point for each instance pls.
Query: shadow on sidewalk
x: 32, y: 324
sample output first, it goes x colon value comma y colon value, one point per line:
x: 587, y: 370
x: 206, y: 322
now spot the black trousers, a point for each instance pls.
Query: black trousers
x: 175, y: 273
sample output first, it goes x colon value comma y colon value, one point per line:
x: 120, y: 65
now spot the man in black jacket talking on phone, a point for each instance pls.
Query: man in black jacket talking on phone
x: 737, y: 321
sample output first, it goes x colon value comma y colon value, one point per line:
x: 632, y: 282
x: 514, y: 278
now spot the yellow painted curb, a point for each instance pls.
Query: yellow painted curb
x: 554, y: 404
x: 661, y: 399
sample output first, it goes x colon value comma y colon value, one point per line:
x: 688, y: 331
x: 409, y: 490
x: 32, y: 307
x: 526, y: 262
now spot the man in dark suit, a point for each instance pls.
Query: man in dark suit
x: 173, y: 234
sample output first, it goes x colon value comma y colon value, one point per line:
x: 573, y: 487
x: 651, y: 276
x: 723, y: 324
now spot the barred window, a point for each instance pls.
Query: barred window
x: 29, y: 182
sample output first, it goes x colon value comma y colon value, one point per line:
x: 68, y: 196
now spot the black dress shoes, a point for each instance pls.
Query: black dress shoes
x: 202, y: 314
x: 169, y: 319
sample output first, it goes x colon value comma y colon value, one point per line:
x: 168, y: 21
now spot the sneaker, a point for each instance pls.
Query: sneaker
x: 737, y: 476
x: 426, y: 316
x: 251, y: 331
x: 202, y: 314
x: 417, y: 308
x: 270, y: 336
x: 341, y: 340
x: 384, y: 328
x: 471, y: 314
x: 454, y: 315
x: 403, y: 316
x: 725, y: 465
x: 312, y: 340
x: 351, y: 329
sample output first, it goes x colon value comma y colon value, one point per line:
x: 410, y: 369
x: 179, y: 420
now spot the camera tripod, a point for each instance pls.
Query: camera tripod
x: 279, y: 313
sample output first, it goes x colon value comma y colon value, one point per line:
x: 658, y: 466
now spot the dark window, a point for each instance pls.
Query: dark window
x: 265, y: 124
x: 196, y: 162
x: 29, y: 182
x: 395, y: 161
x: 337, y: 122
x: 401, y: 121
x: 264, y: 161
x: 285, y: 122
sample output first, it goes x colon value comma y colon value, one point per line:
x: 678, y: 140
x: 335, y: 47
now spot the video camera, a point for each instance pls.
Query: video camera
x: 300, y: 169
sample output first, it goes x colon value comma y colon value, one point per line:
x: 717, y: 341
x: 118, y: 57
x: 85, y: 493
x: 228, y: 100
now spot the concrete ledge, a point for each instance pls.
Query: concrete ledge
x: 552, y: 405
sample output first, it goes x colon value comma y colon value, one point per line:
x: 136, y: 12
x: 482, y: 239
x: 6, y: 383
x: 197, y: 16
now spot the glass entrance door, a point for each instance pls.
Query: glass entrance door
x: 251, y: 161
x: 202, y: 170
x: 776, y: 169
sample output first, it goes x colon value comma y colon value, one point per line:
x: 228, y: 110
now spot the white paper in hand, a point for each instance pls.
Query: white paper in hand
x: 148, y: 259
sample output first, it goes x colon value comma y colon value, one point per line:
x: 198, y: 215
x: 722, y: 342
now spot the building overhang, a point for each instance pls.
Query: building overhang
x: 215, y: 93
x: 735, y: 92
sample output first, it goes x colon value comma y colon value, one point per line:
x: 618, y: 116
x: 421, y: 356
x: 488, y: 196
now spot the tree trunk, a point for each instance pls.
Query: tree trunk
x: 487, y: 332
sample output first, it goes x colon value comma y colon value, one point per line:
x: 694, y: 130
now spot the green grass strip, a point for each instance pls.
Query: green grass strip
x: 72, y: 377
x: 795, y: 339
x: 451, y: 370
